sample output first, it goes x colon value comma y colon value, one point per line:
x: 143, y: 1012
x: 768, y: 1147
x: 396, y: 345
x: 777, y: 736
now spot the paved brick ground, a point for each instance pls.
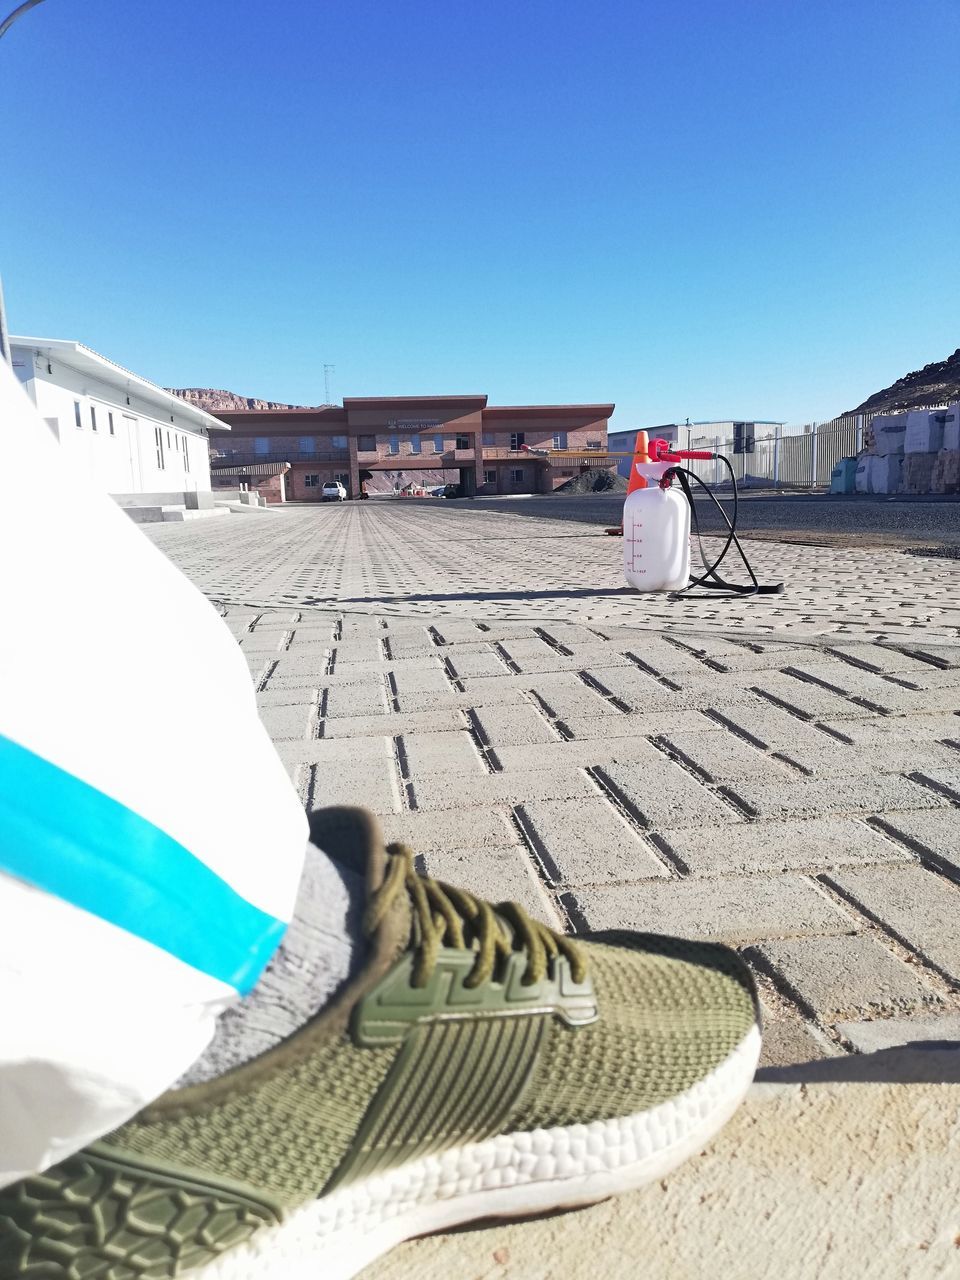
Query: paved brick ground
x: 783, y: 774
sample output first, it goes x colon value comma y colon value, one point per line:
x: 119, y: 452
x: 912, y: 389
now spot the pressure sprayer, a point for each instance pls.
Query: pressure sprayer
x: 657, y: 518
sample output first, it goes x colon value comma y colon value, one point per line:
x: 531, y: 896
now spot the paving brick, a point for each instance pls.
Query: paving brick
x: 664, y: 658
x: 586, y: 841
x: 836, y: 759
x: 370, y: 785
x: 740, y: 659
x: 919, y: 906
x: 781, y: 846
x: 809, y: 701
x: 873, y: 691
x: 252, y: 647
x: 420, y: 680
x: 668, y: 797
x: 931, y: 678
x: 935, y: 831
x: 571, y: 701
x: 476, y: 662
x: 452, y: 829
x: 309, y: 642
x: 432, y: 721
x: 580, y: 754
x: 849, y: 975
x: 880, y: 732
x: 447, y: 753
x: 334, y: 752
x: 944, y: 655
x: 879, y: 658
x: 741, y: 909
x: 457, y: 631
x: 571, y: 635
x: 501, y: 875
x: 420, y: 703
x: 288, y: 697
x: 534, y: 655
x: 815, y: 797
x: 518, y: 725
x: 726, y: 758
x: 310, y: 664
x: 788, y: 1041
x: 891, y: 1033
x: 404, y: 644
x: 775, y: 728
x: 944, y: 780
x: 440, y: 791
x: 635, y: 688
x: 297, y: 721
x: 363, y: 698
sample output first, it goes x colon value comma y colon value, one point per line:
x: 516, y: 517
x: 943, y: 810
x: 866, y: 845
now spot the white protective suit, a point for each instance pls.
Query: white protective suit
x: 150, y: 841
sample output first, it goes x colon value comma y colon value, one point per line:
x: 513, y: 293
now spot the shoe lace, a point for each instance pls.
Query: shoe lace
x: 451, y: 917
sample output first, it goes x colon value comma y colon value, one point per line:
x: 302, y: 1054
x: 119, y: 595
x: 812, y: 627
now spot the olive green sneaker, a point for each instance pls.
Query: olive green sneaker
x: 478, y: 1066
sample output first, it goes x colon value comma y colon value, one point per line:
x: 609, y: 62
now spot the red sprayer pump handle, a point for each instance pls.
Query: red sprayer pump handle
x: 660, y: 451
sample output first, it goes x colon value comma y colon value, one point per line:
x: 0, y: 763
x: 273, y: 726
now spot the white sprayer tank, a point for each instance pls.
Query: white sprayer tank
x: 656, y: 539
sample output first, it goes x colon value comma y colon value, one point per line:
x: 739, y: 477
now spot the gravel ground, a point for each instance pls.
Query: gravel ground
x: 850, y: 521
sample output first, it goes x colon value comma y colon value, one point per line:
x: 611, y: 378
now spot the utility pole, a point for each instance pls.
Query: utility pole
x: 5, y: 26
x: 327, y: 370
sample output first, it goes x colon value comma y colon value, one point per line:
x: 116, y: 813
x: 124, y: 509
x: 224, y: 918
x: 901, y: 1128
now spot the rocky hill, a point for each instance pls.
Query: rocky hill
x: 937, y: 383
x: 214, y: 401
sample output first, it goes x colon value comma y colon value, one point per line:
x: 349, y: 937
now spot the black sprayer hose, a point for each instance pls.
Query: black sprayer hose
x: 710, y: 579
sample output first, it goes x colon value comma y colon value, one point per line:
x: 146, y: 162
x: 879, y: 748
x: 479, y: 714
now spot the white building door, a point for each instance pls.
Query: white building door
x: 132, y: 428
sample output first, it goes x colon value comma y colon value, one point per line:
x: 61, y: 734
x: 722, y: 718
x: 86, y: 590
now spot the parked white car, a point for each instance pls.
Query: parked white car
x: 333, y: 491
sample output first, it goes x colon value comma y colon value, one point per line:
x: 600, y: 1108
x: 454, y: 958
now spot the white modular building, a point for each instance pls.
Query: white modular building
x: 137, y: 441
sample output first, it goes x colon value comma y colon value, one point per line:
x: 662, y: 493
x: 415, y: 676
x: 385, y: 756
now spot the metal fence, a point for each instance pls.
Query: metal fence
x: 791, y: 457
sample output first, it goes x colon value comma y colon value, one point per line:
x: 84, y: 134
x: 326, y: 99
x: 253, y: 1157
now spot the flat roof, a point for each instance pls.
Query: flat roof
x: 250, y: 417
x: 547, y: 410
x: 85, y: 360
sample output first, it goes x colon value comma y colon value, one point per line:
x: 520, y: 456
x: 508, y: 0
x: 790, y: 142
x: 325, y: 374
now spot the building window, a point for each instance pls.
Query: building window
x: 76, y: 415
x: 463, y: 442
x: 490, y: 477
x: 344, y: 478
x: 594, y: 444
x: 311, y: 482
x: 158, y: 441
x: 438, y: 444
x: 517, y: 440
x: 516, y: 475
x: 559, y: 439
x: 110, y: 424
x: 366, y: 444
x: 566, y: 473
x: 186, y: 455
x: 93, y: 417
x: 393, y: 444
x: 168, y: 439
x: 489, y: 438
x: 414, y: 444
x: 338, y: 442
x: 261, y: 444
x: 307, y: 444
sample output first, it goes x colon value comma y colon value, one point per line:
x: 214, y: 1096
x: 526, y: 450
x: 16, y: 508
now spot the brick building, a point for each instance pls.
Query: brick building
x: 288, y: 454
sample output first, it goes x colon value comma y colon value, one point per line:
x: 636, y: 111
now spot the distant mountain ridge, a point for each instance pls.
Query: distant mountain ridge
x: 214, y: 401
x: 937, y: 383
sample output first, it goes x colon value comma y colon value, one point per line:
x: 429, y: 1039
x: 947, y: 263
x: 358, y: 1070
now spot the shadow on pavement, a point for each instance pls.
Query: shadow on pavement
x: 558, y: 594
x: 920, y: 1062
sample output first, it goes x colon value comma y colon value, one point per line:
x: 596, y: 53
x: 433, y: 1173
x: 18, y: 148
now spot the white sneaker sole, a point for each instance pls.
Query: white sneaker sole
x: 511, y: 1175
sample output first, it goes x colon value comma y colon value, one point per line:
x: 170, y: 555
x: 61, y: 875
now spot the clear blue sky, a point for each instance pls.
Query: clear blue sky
x: 724, y: 207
